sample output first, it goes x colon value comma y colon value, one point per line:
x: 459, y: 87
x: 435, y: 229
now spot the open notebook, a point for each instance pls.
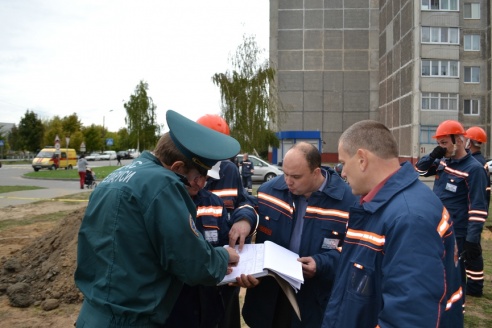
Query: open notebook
x: 259, y: 259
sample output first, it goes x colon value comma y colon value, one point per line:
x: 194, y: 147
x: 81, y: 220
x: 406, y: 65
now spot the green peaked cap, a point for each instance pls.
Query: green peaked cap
x: 202, y: 145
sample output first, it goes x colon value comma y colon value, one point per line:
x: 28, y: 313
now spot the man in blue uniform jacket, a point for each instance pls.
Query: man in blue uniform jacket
x: 306, y: 211
x: 461, y: 184
x: 399, y: 264
x: 225, y: 181
x: 474, y: 268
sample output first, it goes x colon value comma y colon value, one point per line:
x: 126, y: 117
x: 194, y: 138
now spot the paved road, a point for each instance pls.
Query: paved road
x: 11, y: 175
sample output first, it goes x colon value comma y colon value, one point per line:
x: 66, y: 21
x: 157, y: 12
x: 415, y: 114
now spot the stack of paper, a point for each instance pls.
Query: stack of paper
x: 258, y: 259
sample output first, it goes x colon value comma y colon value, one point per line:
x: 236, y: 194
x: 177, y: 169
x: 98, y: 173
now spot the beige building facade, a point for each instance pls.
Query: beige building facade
x: 408, y: 63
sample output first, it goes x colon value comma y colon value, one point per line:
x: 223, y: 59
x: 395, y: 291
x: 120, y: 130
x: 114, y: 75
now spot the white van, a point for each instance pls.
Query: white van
x: 108, y: 155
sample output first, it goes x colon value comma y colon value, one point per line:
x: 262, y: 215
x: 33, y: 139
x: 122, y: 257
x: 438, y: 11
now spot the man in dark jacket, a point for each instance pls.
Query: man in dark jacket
x: 461, y: 184
x: 247, y: 170
x: 306, y: 211
x: 399, y: 264
x: 474, y: 268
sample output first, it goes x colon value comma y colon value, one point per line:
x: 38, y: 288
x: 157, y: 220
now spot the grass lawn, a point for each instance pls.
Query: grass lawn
x: 18, y: 188
x: 100, y: 171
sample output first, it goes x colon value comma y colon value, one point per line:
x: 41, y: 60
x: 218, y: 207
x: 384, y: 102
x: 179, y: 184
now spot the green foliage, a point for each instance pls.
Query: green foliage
x: 14, y: 139
x: 31, y: 131
x: 141, y: 118
x: 4, y: 189
x: 93, y: 139
x: 246, y: 103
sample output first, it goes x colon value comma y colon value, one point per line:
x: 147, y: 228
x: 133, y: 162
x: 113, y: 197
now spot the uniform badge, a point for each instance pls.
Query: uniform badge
x: 330, y: 243
x: 193, y: 227
x: 451, y: 187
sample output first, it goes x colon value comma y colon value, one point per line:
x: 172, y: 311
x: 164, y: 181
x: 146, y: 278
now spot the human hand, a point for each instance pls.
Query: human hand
x: 239, y: 231
x: 472, y: 250
x: 233, y: 256
x: 438, y: 152
x: 308, y: 266
x: 246, y: 281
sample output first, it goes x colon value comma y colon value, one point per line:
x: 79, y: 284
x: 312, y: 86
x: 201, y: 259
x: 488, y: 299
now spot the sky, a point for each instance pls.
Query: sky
x: 59, y: 57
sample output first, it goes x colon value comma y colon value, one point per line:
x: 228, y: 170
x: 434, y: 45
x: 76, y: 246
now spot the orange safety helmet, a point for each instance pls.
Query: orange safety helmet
x: 476, y: 133
x: 215, y: 122
x: 449, y: 127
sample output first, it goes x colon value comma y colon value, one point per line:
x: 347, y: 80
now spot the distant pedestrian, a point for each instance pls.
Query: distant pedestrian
x: 118, y: 158
x: 247, y: 170
x: 82, y: 165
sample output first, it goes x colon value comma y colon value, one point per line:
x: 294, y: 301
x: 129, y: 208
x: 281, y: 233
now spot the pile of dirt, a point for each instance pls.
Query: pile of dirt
x: 41, y: 273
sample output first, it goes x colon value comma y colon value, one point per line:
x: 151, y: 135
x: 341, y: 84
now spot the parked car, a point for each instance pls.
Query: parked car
x: 108, y: 155
x: 489, y: 165
x: 93, y: 157
x: 123, y: 154
x: 133, y: 153
x: 264, y: 171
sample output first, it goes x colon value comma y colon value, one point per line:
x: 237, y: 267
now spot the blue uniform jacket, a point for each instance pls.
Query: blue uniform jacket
x: 230, y: 189
x: 479, y: 157
x: 461, y: 185
x: 399, y: 263
x: 323, y: 231
x: 137, y: 245
x: 202, y: 306
x: 246, y: 168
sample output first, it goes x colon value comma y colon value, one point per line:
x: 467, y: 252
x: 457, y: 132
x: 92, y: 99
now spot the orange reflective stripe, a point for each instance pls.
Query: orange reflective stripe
x: 444, y: 224
x: 276, y: 201
x: 327, y: 212
x: 456, y: 172
x: 225, y: 192
x: 478, y: 212
x: 209, y: 210
x: 369, y: 237
x: 454, y: 298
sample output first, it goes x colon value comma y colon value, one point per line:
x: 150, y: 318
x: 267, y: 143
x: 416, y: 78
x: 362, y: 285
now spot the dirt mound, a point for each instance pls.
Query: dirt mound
x: 42, y: 271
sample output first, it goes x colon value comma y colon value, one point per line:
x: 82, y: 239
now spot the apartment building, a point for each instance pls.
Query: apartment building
x: 408, y: 63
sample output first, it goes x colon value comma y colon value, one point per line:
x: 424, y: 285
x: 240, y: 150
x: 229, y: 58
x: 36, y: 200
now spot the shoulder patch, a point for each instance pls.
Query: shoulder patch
x: 192, y: 226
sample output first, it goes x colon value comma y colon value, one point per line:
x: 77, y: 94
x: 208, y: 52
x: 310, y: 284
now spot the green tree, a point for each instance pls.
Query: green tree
x: 246, y: 104
x: 141, y: 118
x: 53, y: 128
x: 71, y: 124
x: 14, y: 139
x: 123, y: 142
x: 5, y: 147
x: 31, y: 132
x: 92, y: 137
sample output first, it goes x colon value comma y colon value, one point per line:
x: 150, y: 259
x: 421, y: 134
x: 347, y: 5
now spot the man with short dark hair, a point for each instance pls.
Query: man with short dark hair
x: 398, y: 266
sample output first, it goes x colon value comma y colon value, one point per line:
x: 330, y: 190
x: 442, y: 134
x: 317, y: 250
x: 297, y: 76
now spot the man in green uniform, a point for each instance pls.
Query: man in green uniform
x: 138, y: 242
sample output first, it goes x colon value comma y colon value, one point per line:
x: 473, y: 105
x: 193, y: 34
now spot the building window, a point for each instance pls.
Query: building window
x: 472, y: 42
x: 426, y: 133
x: 439, y: 101
x: 472, y: 74
x: 445, y: 35
x: 471, y: 10
x: 471, y: 107
x: 440, y: 5
x: 442, y: 68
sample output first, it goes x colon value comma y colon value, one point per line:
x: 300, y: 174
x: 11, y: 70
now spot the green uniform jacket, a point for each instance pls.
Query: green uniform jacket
x: 137, y: 245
